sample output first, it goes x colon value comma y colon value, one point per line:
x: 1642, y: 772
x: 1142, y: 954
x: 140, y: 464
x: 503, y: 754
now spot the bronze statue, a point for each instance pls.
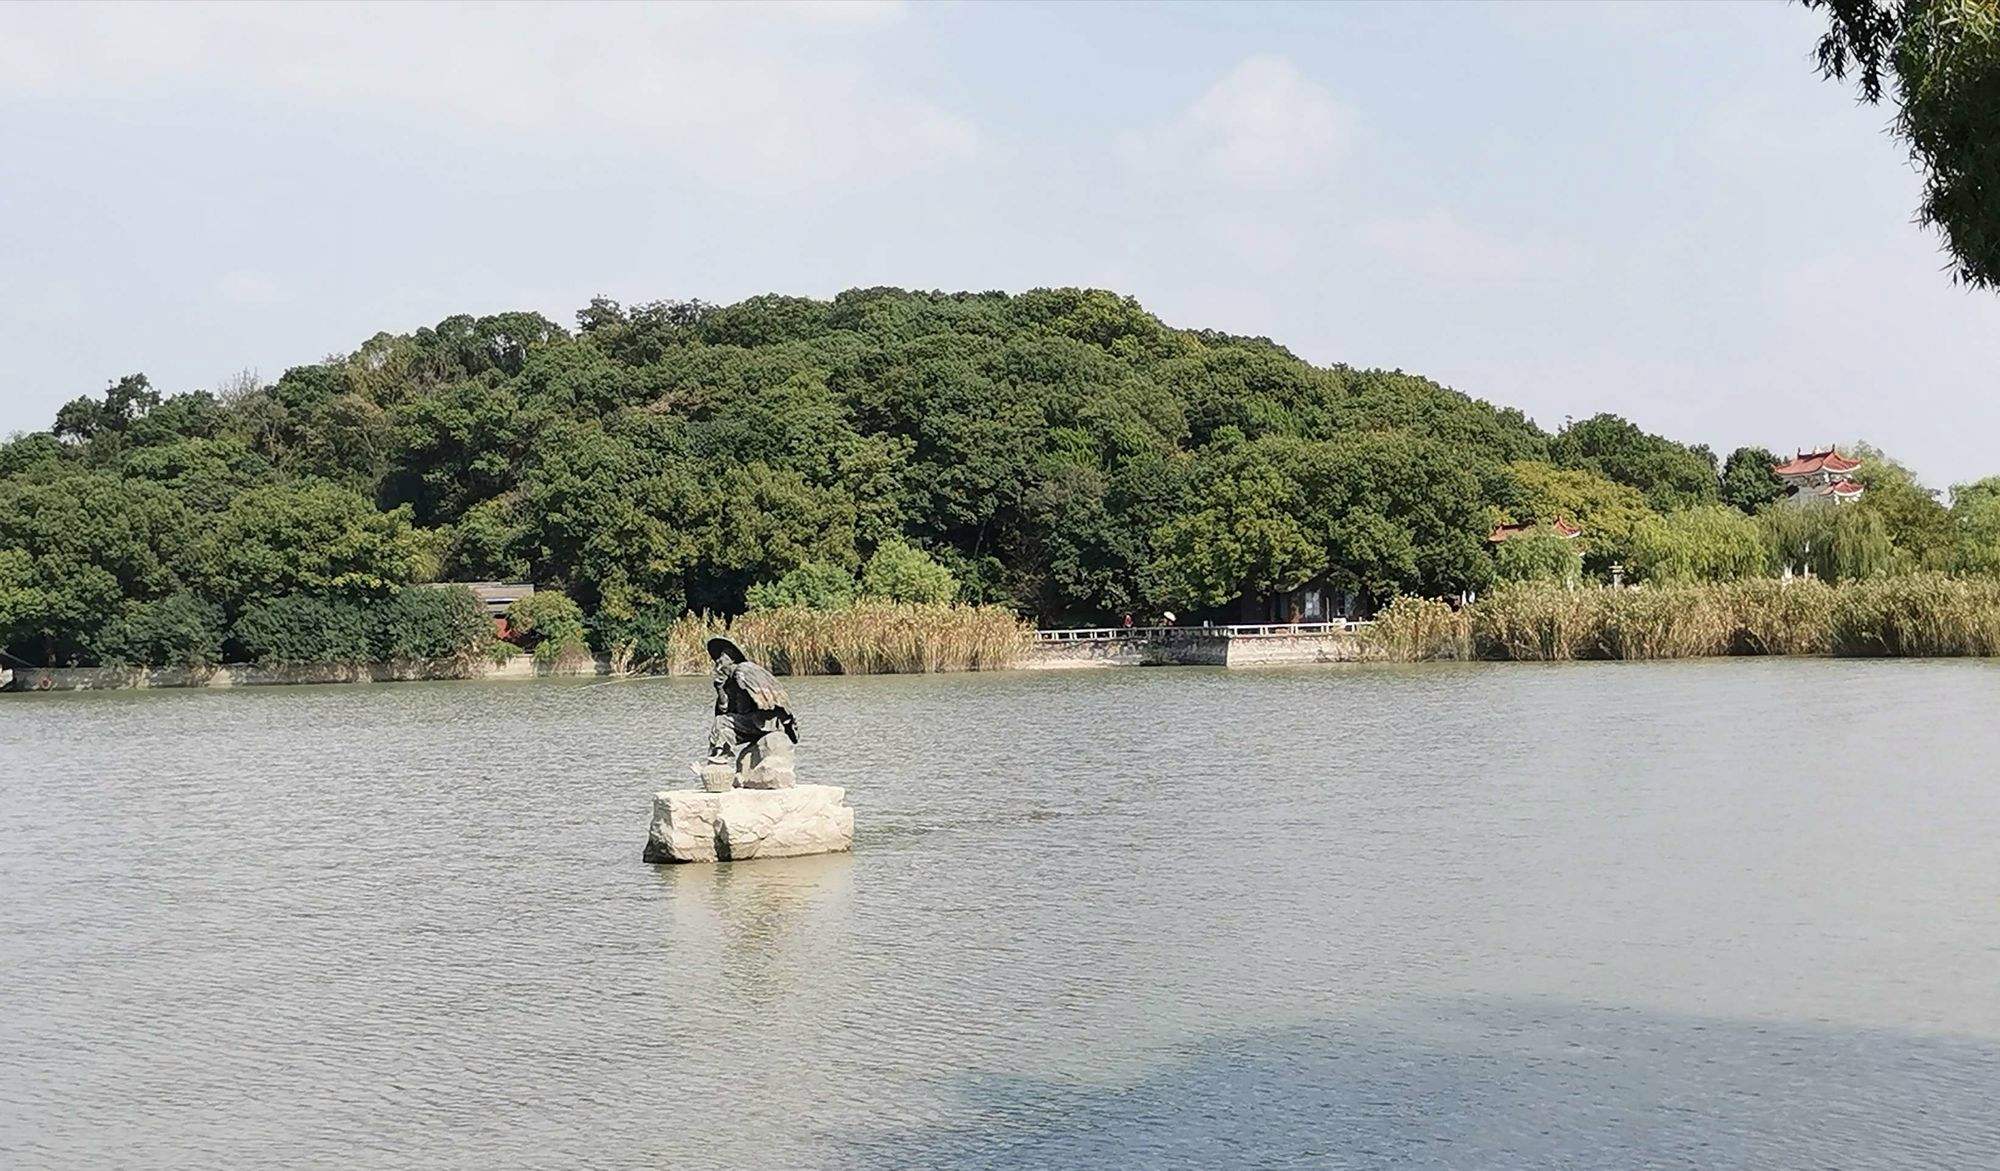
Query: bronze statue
x: 749, y: 704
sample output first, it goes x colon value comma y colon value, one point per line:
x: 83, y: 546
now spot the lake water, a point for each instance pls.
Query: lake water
x: 1725, y: 913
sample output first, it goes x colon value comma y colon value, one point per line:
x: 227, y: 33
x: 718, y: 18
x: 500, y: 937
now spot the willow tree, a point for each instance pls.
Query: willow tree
x: 1943, y: 59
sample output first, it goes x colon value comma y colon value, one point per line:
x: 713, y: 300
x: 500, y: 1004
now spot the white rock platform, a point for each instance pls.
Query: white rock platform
x: 692, y: 825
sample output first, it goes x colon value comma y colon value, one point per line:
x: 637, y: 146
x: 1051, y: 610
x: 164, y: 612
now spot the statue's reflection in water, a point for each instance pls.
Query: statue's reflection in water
x: 768, y: 927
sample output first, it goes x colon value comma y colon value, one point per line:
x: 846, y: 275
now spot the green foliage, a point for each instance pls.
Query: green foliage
x: 1945, y: 59
x: 1538, y: 554
x: 1670, y: 475
x: 428, y: 623
x: 553, y: 624
x: 313, y: 538
x: 1917, y: 523
x: 297, y: 629
x: 1747, y: 482
x: 816, y: 585
x: 417, y: 624
x: 900, y: 572
x: 1247, y: 535
x: 179, y: 630
x: 547, y: 616
x: 1607, y: 512
x: 1709, y: 543
x: 1975, y: 517
x: 1060, y: 452
x: 1830, y: 541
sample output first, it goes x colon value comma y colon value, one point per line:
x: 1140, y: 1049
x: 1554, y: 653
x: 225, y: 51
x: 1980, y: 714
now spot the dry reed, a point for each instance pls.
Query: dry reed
x: 1411, y: 629
x: 870, y: 638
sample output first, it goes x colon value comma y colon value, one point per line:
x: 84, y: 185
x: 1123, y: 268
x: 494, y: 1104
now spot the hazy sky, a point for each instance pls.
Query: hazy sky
x: 1659, y: 211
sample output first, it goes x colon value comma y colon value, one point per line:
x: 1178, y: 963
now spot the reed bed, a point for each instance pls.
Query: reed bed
x: 1411, y: 629
x: 1927, y: 614
x: 869, y: 638
x: 1922, y: 614
x: 1774, y: 617
x: 1538, y: 622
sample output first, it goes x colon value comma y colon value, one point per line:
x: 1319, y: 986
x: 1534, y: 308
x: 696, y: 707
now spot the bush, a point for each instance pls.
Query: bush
x: 426, y: 623
x: 553, y: 625
x: 299, y: 629
x: 653, y: 639
x: 901, y: 572
x: 816, y: 585
x: 179, y: 630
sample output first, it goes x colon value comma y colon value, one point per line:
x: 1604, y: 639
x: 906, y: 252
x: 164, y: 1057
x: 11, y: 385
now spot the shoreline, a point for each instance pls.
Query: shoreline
x: 1066, y: 651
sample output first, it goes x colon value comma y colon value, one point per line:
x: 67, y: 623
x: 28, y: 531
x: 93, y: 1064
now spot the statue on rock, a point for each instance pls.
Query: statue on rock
x: 750, y: 741
x: 749, y: 804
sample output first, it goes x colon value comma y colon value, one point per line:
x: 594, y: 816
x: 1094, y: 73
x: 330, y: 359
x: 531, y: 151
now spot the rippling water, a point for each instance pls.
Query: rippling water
x: 1595, y: 915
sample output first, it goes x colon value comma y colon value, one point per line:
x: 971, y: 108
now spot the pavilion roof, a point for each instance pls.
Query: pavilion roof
x: 1561, y: 527
x: 1807, y: 463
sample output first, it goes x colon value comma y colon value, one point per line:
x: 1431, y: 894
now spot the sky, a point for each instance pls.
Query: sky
x: 1659, y: 211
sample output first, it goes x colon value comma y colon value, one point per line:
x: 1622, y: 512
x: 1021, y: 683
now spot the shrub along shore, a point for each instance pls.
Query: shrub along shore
x: 1923, y: 614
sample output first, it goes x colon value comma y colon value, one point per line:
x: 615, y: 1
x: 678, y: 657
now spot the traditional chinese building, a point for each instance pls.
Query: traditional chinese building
x: 1819, y: 475
x: 1559, y: 527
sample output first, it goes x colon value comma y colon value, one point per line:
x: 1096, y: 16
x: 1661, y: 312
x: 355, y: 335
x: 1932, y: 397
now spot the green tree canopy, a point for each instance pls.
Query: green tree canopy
x: 1944, y: 59
x: 1710, y: 542
x: 1669, y: 474
x: 1747, y: 482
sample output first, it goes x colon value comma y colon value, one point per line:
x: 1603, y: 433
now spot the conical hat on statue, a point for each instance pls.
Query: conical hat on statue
x: 722, y: 645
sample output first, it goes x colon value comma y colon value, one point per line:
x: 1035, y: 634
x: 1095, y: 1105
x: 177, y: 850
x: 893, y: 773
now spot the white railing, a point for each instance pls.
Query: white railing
x: 1165, y: 633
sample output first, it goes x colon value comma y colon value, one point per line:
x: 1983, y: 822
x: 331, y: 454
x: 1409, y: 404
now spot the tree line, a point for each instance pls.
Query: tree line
x: 1060, y: 452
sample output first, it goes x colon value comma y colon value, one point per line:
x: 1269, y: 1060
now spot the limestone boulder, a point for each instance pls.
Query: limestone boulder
x: 691, y: 825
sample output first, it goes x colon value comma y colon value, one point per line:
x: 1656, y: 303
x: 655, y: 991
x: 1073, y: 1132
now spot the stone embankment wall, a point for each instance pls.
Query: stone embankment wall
x: 251, y: 675
x: 1277, y: 650
x: 1195, y: 647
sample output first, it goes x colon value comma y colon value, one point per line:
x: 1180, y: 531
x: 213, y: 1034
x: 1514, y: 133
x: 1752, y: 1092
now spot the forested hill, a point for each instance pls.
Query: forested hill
x: 1060, y: 450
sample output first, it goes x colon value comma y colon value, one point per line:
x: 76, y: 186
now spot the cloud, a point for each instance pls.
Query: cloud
x: 1264, y: 126
x: 741, y: 96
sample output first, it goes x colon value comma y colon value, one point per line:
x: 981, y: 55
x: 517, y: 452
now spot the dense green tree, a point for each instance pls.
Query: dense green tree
x: 900, y: 572
x: 311, y: 538
x: 1709, y: 542
x: 179, y: 630
x: 1671, y: 476
x: 1833, y: 542
x: 1975, y: 516
x: 1608, y: 513
x: 1244, y: 536
x: 816, y: 585
x: 1747, y: 482
x: 1061, y: 451
x: 82, y: 546
x: 1917, y: 522
x: 1538, y: 554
